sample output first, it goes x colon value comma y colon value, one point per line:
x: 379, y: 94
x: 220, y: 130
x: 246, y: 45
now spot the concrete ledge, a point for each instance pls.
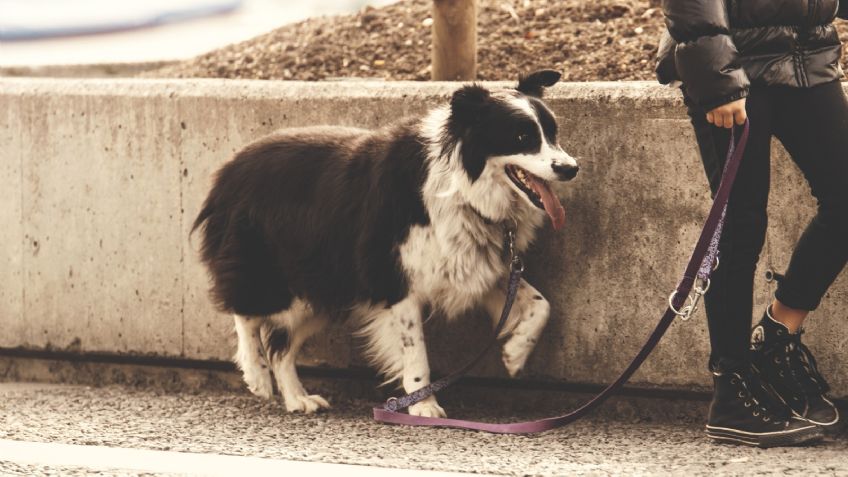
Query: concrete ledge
x: 102, y: 179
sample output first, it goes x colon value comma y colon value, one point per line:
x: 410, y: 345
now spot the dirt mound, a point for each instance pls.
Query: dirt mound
x: 586, y: 40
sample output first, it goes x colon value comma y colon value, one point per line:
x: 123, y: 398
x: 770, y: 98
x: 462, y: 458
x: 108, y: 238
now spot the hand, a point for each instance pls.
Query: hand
x: 725, y: 115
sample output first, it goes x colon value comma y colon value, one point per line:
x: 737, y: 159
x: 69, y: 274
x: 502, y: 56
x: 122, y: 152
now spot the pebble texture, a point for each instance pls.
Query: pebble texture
x: 239, y: 424
x: 28, y: 470
x: 598, y: 40
x: 586, y: 40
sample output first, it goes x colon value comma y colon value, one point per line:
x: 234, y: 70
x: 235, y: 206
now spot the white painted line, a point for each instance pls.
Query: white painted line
x: 115, y: 458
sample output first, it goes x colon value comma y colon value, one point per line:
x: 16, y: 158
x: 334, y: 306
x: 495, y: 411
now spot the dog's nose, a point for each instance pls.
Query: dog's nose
x: 564, y: 171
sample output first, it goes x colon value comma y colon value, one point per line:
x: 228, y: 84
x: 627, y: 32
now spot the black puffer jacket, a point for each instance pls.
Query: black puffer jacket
x: 718, y: 48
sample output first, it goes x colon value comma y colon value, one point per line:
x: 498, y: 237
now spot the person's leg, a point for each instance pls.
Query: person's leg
x: 741, y: 411
x: 729, y: 301
x: 790, y: 317
x: 812, y: 124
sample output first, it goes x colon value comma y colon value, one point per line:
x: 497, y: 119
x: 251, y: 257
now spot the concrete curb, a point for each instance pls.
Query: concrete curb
x: 103, y: 178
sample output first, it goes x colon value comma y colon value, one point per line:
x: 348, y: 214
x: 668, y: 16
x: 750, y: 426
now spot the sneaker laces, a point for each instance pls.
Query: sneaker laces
x: 803, y: 366
x: 768, y: 405
x: 789, y: 351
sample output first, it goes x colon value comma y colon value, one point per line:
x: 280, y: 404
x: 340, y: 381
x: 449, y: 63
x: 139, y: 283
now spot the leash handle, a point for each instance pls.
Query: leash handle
x: 705, y: 252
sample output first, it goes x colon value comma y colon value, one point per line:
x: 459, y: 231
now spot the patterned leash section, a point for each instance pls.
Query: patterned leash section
x: 699, y: 267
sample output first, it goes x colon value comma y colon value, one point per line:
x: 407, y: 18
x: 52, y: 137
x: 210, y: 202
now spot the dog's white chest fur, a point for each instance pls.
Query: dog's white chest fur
x: 451, y: 268
x: 455, y: 261
x: 430, y: 198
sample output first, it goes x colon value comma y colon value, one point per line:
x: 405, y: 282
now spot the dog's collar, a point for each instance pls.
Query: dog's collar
x: 509, y: 227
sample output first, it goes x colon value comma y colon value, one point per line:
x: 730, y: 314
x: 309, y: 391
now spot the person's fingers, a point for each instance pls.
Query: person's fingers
x: 728, y: 115
x: 727, y: 119
x: 741, y: 116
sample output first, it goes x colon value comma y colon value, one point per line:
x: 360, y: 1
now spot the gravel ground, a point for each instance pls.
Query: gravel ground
x: 586, y: 40
x: 24, y: 470
x: 239, y: 424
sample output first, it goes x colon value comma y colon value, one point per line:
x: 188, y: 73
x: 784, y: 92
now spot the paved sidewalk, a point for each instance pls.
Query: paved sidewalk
x: 237, y: 424
x: 35, y: 457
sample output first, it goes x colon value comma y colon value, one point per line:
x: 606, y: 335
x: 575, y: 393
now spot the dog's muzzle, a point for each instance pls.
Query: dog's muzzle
x: 565, y: 172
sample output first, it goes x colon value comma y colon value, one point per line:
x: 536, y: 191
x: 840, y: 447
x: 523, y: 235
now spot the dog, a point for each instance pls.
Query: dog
x: 312, y: 225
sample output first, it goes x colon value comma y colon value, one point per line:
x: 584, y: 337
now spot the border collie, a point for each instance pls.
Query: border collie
x: 312, y: 225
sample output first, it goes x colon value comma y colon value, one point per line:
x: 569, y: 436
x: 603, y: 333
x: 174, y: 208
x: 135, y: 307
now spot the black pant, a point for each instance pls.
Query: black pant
x: 812, y: 124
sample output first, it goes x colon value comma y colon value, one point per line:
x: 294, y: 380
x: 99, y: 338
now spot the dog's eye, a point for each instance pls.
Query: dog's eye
x: 521, y: 138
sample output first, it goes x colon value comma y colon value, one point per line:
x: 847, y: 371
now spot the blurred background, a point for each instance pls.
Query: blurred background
x: 72, y: 32
x: 314, y: 40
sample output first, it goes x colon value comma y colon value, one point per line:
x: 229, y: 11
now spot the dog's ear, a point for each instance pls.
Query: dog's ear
x: 535, y: 83
x: 467, y: 106
x: 467, y: 102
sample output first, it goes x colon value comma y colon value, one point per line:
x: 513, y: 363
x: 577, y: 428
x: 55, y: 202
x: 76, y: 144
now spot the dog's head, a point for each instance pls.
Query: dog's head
x: 507, y: 145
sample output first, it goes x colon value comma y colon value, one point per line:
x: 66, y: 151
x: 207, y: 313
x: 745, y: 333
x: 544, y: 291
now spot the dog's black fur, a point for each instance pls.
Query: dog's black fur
x: 312, y: 223
x: 319, y: 213
x: 315, y: 214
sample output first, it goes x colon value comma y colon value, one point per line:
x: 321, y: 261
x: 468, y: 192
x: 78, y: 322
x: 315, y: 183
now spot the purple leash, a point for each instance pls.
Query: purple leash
x: 703, y: 261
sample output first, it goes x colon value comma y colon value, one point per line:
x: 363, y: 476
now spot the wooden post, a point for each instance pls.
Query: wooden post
x: 454, y: 54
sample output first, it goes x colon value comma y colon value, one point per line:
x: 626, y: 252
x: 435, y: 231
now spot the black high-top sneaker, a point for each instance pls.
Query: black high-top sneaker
x: 789, y: 370
x: 743, y: 412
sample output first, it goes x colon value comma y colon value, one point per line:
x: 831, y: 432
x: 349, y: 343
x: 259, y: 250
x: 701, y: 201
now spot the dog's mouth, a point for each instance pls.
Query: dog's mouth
x: 538, y: 192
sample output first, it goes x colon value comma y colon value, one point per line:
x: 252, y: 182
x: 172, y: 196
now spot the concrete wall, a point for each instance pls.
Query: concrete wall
x: 102, y: 178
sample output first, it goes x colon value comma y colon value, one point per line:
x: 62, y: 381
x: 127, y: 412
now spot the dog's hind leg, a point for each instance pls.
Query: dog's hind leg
x: 284, y: 336
x: 528, y: 318
x: 250, y: 356
x: 396, y: 346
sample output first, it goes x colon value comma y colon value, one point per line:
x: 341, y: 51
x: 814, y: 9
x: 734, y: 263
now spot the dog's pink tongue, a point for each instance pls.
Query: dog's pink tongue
x: 552, y: 205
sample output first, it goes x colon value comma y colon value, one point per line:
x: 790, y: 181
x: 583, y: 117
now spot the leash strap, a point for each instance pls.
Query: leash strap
x: 403, y: 402
x: 702, y: 262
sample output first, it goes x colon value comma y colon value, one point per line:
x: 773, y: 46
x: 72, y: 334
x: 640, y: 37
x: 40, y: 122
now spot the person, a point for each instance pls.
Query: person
x: 776, y: 64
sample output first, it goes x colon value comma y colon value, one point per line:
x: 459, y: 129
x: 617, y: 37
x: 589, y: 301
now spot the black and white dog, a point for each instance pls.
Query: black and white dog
x: 309, y: 225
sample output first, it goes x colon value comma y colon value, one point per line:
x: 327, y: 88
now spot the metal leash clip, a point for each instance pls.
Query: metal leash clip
x: 702, y: 285
x: 391, y: 404
x: 515, y: 262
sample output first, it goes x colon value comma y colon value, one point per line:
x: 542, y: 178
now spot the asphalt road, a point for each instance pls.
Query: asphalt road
x: 120, y: 424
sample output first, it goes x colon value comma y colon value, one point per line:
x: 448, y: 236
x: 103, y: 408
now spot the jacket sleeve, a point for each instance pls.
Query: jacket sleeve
x: 705, y: 57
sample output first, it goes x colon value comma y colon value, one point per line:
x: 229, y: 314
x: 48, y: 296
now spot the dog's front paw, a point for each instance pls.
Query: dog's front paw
x: 515, y: 354
x: 306, y: 404
x: 259, y: 382
x: 427, y: 408
x: 261, y: 385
